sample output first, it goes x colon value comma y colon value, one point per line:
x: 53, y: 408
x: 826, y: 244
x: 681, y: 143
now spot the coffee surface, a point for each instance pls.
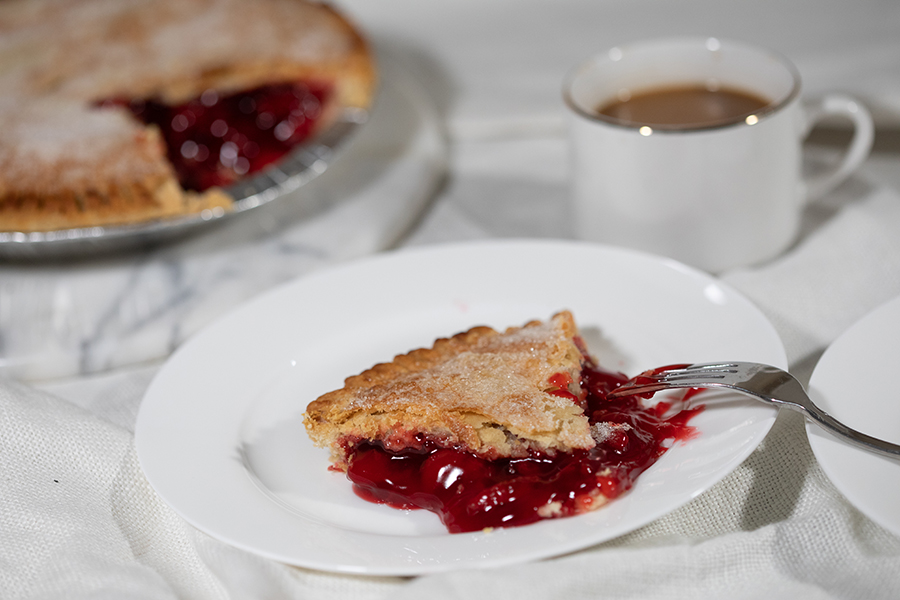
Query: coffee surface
x: 684, y: 107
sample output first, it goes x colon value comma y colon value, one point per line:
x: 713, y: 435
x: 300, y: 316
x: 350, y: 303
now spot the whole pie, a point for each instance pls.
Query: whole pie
x: 493, y: 429
x: 116, y: 111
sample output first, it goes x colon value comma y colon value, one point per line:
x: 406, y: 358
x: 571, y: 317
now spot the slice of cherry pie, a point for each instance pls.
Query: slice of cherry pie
x: 491, y: 429
x: 116, y: 111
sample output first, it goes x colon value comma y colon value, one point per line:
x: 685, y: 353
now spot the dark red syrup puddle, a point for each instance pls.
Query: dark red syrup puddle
x: 213, y: 140
x: 471, y: 494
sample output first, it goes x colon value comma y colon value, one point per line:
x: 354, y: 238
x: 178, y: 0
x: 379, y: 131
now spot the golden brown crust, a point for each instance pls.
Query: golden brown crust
x: 481, y: 390
x: 64, y: 163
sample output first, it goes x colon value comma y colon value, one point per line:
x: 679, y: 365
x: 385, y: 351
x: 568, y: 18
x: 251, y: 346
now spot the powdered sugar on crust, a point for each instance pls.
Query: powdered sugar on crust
x: 96, y: 48
x: 79, y: 142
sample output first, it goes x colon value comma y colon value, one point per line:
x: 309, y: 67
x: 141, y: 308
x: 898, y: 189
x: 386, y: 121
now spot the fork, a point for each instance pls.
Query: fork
x: 764, y: 382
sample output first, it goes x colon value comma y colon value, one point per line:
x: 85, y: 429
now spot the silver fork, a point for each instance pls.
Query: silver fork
x: 766, y: 383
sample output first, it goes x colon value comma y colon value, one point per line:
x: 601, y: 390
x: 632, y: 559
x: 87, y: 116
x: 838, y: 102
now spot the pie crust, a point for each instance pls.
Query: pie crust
x: 65, y: 162
x: 492, y: 394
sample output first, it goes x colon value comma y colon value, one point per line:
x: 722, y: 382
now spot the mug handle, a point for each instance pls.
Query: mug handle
x: 860, y: 146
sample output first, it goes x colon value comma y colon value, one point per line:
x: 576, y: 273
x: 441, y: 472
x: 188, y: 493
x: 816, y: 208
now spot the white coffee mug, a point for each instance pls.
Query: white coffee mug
x: 713, y: 196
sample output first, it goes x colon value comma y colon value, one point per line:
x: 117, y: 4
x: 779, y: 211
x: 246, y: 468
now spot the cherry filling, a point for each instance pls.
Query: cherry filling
x: 470, y: 493
x: 215, y: 140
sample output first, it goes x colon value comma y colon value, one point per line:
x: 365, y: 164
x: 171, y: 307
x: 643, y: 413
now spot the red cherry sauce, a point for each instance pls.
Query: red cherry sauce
x: 470, y: 493
x: 215, y: 140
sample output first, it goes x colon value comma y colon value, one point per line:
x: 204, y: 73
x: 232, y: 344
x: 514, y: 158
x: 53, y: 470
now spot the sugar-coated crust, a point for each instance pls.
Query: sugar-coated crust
x: 65, y: 163
x: 481, y: 390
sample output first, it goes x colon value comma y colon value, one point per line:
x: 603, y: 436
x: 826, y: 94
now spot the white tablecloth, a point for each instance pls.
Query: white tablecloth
x: 78, y: 520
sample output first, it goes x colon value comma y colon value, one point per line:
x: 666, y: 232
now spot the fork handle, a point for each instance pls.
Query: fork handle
x: 857, y: 438
x: 785, y: 390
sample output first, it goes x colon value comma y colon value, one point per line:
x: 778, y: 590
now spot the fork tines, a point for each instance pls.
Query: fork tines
x: 705, y: 370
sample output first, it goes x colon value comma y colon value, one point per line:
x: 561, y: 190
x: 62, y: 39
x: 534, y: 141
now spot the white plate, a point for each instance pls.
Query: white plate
x: 220, y: 437
x: 854, y: 382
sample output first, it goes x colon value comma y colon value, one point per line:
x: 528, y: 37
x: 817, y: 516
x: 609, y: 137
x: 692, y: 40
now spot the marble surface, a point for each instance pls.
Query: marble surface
x: 80, y: 316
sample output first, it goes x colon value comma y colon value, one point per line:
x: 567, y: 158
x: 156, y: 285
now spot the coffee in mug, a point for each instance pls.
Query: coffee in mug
x: 684, y: 107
